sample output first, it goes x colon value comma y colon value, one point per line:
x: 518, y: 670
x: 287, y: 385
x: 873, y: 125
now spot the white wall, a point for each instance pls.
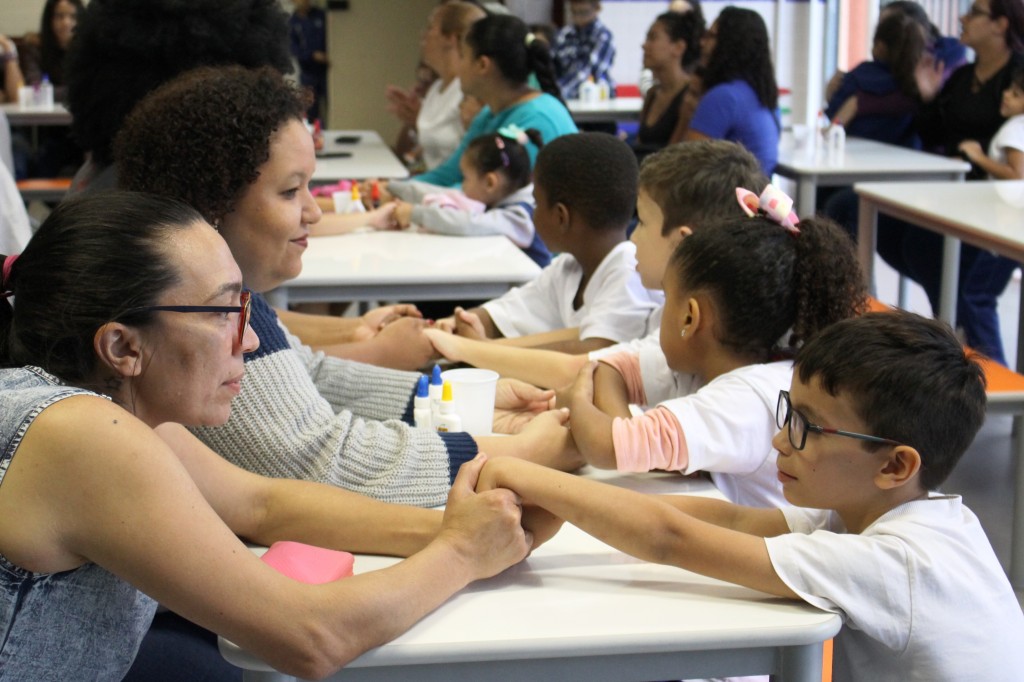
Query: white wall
x: 797, y: 49
x: 20, y: 16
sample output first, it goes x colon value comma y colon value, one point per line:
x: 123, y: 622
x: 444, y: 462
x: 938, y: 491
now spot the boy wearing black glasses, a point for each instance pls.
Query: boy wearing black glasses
x: 879, y: 412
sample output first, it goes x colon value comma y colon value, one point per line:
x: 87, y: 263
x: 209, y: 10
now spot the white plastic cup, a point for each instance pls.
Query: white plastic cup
x: 473, y: 394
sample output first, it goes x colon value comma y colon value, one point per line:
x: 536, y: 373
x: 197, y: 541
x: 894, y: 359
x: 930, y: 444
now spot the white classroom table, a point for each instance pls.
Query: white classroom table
x: 58, y: 115
x: 356, y: 155
x: 863, y: 161
x: 405, y: 266
x: 614, y: 109
x: 577, y: 609
x: 989, y: 215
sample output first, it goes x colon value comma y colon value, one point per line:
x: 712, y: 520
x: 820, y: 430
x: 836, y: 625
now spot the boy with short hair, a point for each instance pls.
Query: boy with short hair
x: 590, y: 296
x: 681, y: 188
x: 880, y: 410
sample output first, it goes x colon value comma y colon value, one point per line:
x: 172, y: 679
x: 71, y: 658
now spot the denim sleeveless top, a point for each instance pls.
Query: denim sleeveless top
x: 83, y: 624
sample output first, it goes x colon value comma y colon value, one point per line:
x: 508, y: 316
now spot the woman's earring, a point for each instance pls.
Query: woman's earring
x: 682, y: 334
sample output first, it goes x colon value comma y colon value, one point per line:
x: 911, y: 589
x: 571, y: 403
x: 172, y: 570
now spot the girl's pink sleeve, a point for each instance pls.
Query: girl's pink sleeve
x: 654, y: 440
x: 628, y: 365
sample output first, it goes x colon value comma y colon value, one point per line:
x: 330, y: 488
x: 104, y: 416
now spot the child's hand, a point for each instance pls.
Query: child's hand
x: 445, y: 324
x: 402, y: 214
x: 469, y: 325
x: 583, y: 388
x: 445, y: 343
x: 366, y: 193
x: 972, y: 150
x: 546, y: 440
x: 382, y: 218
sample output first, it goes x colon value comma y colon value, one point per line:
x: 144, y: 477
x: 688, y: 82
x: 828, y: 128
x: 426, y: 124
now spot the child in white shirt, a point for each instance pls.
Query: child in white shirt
x: 1005, y: 159
x: 590, y: 296
x: 740, y: 298
x: 496, y: 195
x: 682, y: 188
x: 880, y: 409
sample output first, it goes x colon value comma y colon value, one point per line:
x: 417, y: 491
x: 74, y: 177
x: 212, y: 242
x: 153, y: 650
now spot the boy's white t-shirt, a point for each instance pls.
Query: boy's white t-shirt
x: 729, y: 425
x: 1010, y: 135
x: 616, y: 306
x: 921, y: 593
x: 438, y: 126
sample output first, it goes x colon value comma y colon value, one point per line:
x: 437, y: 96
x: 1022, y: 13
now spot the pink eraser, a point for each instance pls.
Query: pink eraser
x: 309, y: 564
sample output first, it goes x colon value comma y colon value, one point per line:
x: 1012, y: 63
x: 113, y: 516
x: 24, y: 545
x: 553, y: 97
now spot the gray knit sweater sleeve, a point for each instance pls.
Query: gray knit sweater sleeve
x: 283, y: 426
x: 365, y: 390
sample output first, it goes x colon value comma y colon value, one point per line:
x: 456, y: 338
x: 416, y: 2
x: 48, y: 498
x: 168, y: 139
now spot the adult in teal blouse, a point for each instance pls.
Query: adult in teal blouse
x: 498, y: 56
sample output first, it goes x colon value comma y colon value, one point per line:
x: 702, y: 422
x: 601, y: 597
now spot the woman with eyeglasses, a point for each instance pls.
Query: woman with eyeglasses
x: 967, y: 107
x: 128, y: 319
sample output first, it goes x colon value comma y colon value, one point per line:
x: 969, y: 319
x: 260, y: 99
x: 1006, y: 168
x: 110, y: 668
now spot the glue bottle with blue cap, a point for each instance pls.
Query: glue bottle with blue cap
x: 435, y: 393
x: 421, y: 413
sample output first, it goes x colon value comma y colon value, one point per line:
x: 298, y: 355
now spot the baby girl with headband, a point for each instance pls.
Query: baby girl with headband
x: 496, y: 195
x: 741, y: 297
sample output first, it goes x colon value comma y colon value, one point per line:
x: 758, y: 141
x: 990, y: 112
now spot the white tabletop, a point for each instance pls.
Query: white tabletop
x: 862, y: 161
x: 614, y: 109
x: 361, y: 154
x: 58, y: 115
x: 579, y: 609
x: 406, y: 266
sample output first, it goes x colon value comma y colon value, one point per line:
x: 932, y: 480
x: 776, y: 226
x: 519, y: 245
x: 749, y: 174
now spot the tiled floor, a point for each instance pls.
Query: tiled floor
x: 985, y: 474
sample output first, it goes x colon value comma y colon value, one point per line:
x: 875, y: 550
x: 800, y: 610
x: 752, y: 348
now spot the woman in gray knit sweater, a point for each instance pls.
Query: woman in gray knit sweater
x: 231, y: 143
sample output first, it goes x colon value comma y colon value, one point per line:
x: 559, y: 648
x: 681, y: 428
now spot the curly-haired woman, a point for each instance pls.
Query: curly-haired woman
x: 741, y: 99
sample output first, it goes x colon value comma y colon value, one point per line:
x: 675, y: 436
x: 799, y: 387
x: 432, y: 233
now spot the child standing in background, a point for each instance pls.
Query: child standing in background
x: 740, y: 298
x: 897, y: 48
x: 590, y: 296
x: 496, y: 196
x: 1005, y: 159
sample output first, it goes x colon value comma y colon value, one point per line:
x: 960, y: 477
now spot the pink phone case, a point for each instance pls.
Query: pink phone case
x: 309, y: 564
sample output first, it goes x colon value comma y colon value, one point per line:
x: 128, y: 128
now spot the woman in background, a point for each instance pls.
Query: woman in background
x: 741, y: 98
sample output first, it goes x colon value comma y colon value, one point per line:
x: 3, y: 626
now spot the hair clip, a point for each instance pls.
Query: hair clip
x: 499, y: 142
x: 514, y: 132
x: 5, y: 279
x: 773, y: 204
x: 530, y: 37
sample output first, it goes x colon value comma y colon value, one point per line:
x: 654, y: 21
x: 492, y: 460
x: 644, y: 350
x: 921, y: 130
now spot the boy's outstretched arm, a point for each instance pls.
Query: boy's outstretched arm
x: 662, y: 529
x: 547, y: 369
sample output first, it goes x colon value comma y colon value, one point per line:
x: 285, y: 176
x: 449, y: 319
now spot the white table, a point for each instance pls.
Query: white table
x: 58, y: 115
x: 363, y: 154
x: 989, y: 215
x: 579, y: 610
x: 406, y: 266
x: 863, y: 161
x: 615, y: 109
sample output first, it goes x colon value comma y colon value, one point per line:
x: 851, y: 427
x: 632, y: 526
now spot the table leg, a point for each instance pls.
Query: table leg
x: 806, y: 195
x: 950, y: 280
x: 800, y: 663
x: 867, y: 223
x: 1017, y: 527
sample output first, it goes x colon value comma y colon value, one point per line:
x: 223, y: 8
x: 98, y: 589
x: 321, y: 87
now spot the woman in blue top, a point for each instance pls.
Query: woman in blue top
x: 740, y: 101
x: 498, y: 56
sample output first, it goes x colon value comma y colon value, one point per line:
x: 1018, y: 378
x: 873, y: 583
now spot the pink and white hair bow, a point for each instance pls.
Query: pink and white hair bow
x: 773, y: 204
